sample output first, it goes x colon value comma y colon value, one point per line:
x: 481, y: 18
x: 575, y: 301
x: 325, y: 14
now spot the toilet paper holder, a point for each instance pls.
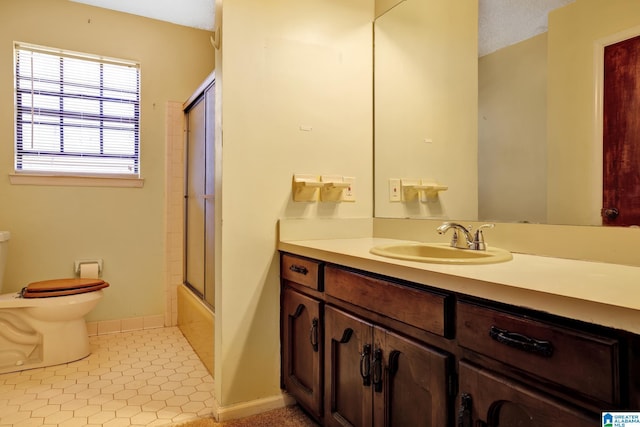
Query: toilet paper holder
x: 77, y: 263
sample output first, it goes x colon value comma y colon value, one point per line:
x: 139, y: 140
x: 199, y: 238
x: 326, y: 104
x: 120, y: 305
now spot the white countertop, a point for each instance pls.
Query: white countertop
x: 601, y: 293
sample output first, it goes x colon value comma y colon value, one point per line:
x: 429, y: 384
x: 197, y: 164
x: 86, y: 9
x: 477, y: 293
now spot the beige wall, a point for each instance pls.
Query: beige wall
x: 382, y: 6
x: 576, y: 35
x: 285, y: 64
x: 52, y: 226
x: 512, y: 133
x: 426, y: 89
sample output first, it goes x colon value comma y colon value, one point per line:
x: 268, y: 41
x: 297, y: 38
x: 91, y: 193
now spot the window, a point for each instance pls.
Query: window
x: 76, y: 114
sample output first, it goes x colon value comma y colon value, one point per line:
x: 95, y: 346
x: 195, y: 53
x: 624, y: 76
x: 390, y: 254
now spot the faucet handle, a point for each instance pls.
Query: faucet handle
x: 478, y: 239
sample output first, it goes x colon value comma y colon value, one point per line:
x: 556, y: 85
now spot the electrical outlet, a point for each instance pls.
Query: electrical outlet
x: 349, y: 194
x: 395, y: 193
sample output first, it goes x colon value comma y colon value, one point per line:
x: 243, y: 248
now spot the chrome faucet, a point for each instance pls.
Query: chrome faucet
x: 462, y: 237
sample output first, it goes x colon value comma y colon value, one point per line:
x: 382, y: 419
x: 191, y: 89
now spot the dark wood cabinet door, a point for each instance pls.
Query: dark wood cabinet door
x: 414, y: 389
x: 490, y: 400
x: 348, y: 396
x: 302, y: 349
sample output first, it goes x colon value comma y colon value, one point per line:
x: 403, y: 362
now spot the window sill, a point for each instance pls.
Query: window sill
x: 75, y: 181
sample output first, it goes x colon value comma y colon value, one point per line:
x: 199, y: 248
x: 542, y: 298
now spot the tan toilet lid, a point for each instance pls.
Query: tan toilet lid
x: 60, y: 287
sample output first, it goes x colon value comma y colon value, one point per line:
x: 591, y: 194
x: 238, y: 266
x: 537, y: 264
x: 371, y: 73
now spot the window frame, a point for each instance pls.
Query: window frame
x: 55, y: 176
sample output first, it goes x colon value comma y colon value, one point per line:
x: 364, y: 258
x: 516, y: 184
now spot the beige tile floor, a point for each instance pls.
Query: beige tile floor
x: 142, y: 378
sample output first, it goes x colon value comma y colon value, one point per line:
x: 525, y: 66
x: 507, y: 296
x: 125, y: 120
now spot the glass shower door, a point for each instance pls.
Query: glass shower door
x: 199, y: 196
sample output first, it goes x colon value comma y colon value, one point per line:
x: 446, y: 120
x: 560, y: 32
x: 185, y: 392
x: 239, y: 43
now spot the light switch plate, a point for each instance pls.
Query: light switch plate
x: 349, y: 194
x: 395, y: 194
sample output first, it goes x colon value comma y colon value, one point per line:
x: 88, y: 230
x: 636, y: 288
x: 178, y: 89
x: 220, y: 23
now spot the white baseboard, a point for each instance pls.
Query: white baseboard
x: 253, y: 407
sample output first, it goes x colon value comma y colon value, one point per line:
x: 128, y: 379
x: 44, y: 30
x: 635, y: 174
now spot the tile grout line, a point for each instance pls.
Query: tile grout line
x: 147, y: 378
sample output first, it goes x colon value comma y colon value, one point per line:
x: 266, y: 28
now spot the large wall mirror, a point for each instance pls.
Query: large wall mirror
x: 515, y: 135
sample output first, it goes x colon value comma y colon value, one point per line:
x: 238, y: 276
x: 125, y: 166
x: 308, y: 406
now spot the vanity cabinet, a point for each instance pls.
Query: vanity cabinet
x: 360, y: 349
x: 375, y: 377
x: 353, y: 348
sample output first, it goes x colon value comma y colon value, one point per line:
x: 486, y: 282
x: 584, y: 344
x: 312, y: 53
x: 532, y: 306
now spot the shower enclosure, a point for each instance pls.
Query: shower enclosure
x: 199, y: 197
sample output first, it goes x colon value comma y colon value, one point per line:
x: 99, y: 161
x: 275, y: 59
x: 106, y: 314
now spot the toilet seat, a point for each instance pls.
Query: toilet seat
x: 61, y: 287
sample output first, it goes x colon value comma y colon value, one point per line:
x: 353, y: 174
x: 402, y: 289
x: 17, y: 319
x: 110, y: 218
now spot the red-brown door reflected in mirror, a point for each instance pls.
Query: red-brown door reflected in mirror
x: 621, y: 134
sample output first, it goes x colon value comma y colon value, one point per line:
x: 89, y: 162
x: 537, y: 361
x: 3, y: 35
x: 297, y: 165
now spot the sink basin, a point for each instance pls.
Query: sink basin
x: 440, y: 253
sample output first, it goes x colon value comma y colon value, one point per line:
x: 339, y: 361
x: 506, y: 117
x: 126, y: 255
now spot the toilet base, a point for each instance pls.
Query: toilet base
x: 40, y: 332
x: 62, y: 342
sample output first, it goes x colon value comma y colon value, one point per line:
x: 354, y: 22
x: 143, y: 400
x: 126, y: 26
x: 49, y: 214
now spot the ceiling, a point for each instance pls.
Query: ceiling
x: 191, y: 13
x: 501, y: 22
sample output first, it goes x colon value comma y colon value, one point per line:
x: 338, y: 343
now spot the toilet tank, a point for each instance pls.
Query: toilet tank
x: 4, y: 247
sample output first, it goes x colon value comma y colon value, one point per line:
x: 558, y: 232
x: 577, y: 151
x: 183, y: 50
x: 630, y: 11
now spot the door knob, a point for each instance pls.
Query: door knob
x: 610, y: 213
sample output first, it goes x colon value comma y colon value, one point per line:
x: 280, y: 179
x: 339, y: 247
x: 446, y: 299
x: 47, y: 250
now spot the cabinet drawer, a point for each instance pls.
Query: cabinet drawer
x: 491, y: 399
x: 300, y: 270
x: 580, y: 361
x: 423, y: 309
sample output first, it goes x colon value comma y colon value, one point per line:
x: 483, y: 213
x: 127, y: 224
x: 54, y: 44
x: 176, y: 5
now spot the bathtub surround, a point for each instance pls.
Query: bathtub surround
x: 196, y: 321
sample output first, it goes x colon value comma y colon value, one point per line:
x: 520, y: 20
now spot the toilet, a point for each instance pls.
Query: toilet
x: 43, y: 324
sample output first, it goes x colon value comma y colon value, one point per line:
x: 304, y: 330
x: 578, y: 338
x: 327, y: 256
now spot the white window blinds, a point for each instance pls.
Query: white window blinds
x: 76, y: 114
